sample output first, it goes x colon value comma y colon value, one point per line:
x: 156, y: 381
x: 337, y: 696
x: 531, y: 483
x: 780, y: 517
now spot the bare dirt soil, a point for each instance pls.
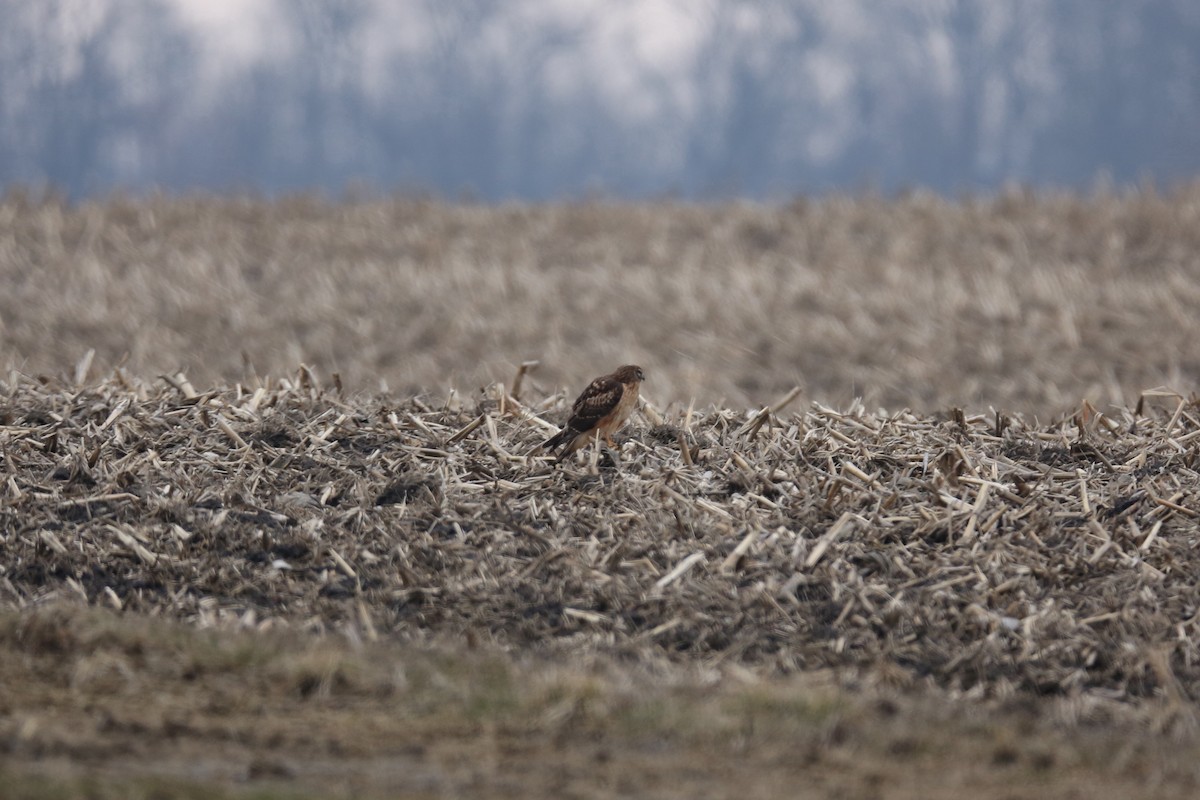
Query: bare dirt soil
x: 219, y: 583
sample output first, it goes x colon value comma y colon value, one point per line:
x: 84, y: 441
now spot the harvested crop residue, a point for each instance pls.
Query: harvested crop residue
x: 977, y: 554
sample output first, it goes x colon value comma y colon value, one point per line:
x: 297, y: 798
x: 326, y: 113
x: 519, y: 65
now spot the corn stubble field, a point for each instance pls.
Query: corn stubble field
x: 961, y: 559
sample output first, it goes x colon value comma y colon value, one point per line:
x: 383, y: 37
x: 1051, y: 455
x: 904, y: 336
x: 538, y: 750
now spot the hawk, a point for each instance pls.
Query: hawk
x: 600, y: 410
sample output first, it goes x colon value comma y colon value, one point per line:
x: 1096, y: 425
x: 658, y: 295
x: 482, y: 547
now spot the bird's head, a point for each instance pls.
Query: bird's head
x: 630, y: 373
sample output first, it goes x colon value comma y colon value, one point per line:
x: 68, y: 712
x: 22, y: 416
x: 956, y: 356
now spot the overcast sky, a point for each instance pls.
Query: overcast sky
x: 542, y: 99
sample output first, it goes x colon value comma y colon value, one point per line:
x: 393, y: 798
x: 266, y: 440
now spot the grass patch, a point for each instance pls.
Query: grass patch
x: 19, y: 785
x: 309, y: 712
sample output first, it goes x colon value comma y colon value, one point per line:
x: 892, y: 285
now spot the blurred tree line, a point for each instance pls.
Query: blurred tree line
x: 543, y: 99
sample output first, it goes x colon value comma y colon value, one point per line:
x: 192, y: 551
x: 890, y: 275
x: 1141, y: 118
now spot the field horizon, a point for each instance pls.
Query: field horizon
x: 1024, y: 302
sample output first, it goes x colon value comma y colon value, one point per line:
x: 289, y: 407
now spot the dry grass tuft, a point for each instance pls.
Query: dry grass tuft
x: 983, y: 554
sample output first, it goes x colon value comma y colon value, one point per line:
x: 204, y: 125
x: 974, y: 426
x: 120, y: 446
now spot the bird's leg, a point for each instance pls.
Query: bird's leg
x: 605, y: 443
x: 612, y: 454
x: 611, y: 449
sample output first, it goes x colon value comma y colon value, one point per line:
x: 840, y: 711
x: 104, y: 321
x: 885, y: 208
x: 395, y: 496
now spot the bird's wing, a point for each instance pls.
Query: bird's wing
x: 595, y: 403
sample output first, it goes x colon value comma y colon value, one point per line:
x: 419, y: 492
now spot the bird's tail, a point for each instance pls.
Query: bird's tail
x: 557, y: 440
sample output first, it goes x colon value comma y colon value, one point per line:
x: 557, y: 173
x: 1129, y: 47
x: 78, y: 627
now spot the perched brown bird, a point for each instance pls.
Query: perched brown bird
x: 600, y: 410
